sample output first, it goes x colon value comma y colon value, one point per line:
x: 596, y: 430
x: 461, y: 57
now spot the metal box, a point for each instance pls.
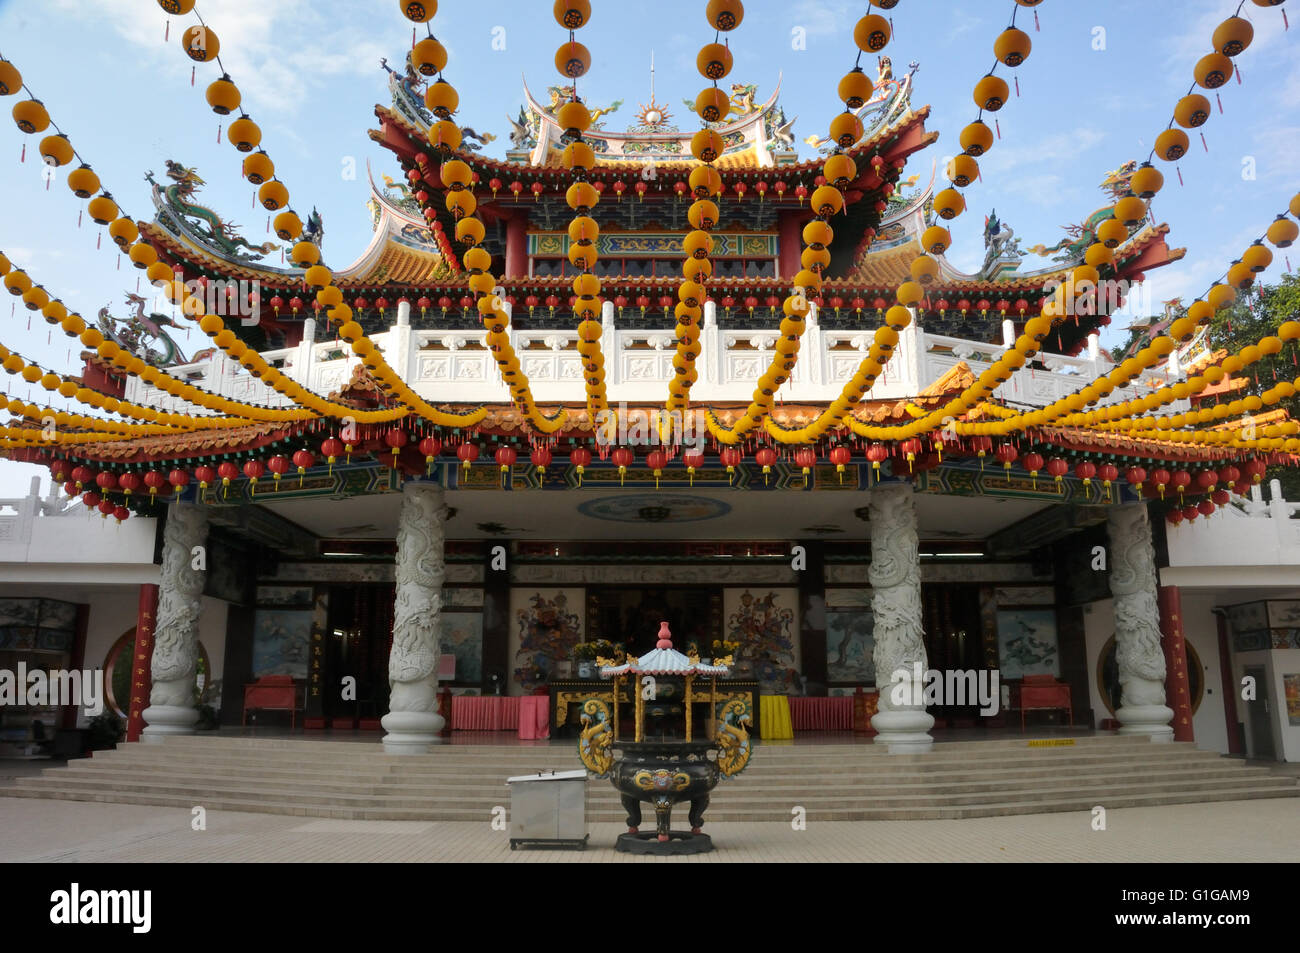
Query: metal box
x: 549, y: 809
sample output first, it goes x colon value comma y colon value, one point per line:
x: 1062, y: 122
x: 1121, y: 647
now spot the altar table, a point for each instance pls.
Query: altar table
x: 535, y: 716
x: 774, y: 716
x: 484, y: 713
x: 822, y: 714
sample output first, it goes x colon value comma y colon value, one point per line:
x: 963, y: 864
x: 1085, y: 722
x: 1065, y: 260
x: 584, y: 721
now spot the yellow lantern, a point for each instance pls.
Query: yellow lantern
x: 840, y: 170
x: 244, y: 135
x: 872, y: 33
x: 273, y: 195
x: 1201, y: 312
x: 287, y: 224
x: 56, y: 150
x: 962, y: 170
x: 258, y: 167
x: 469, y: 231
x: 703, y: 214
x: 855, y: 88
x: 697, y: 244
x: 705, y: 181
x: 200, y: 43
x: 712, y: 104
x: 1232, y: 36
x: 1171, y: 145
x: 1098, y: 254
x: 1257, y: 257
x: 948, y: 204
x: 1240, y: 275
x: 160, y: 273
x: 1130, y: 210
x: 318, y: 277
x: 30, y: 115
x: 1012, y: 46
x: 445, y: 136
x: 724, y: 15
x: 418, y: 11
x: 991, y: 93
x: 1192, y: 110
x: 1282, y: 232
x: 1146, y: 181
x: 909, y: 293
x: 429, y: 57
x: 1112, y: 233
x: 83, y: 181
x: 579, y: 156
x: 827, y: 201
x: 976, y: 138
x: 936, y: 239
x: 461, y: 204
x: 573, y: 59
x: 846, y: 129
x: 10, y: 79
x: 1212, y: 70
x: 573, y: 117
x: 706, y: 145
x: 142, y: 255
x: 223, y: 96
x: 714, y: 61
x: 102, y: 209
x: 442, y: 99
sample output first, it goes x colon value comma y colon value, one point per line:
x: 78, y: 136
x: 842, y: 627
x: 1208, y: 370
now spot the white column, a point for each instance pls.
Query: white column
x: 413, y: 721
x: 1008, y: 333
x: 171, y: 708
x: 1138, y: 650
x: 900, y: 720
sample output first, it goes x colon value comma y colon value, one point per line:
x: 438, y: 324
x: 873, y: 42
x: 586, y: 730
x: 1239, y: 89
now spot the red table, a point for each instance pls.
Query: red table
x: 535, y: 716
x: 484, y: 713
x: 822, y: 714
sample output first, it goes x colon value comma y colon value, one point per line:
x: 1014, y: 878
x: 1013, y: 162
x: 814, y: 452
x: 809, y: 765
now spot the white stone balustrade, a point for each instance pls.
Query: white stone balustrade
x: 452, y: 366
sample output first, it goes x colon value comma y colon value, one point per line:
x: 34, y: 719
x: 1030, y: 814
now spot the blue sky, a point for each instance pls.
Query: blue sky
x: 310, y: 75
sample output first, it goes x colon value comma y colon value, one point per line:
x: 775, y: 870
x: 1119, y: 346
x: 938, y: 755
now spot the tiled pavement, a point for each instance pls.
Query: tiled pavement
x: 70, y: 831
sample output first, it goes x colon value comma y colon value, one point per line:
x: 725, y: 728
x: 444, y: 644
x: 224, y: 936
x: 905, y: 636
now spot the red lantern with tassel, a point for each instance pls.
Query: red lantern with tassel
x: 656, y: 460
x: 840, y: 456
x: 693, y: 459
x: 304, y: 460
x: 580, y: 459
x: 622, y: 458
x: 766, y: 458
x: 179, y: 480
x: 540, y: 458
x: 467, y: 453
x: 331, y: 448
x: 430, y: 447
x: 254, y: 469
x: 227, y: 471
x: 1033, y: 462
x: 731, y: 457
x: 279, y: 466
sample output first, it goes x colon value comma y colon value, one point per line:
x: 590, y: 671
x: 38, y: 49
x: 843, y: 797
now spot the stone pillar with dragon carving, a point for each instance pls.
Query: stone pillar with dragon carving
x: 413, y: 721
x: 174, y: 665
x: 1138, y: 649
x: 901, y: 720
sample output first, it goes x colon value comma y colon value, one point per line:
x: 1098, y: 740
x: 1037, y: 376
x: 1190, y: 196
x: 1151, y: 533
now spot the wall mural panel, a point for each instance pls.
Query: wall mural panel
x: 281, y: 642
x: 545, y: 626
x: 1027, y: 643
x: 462, y: 636
x: 765, y: 623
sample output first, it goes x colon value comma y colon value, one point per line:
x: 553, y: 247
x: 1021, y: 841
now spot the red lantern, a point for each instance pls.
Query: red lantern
x: 1161, y: 478
x: 1206, y: 507
x: 120, y: 513
x: 331, y: 447
x: 506, y: 457
x: 1007, y: 454
x: 877, y: 453
x: 805, y: 458
x: 129, y: 482
x: 1181, y: 480
x: 82, y: 475
x: 70, y: 488
x: 304, y: 460
x: 1108, y: 473
x: 1254, y: 469
x: 580, y: 458
x: 254, y: 469
x: 1221, y: 497
x: 1207, y: 480
x: 693, y: 460
x: 155, y: 481
x: 179, y: 479
x: 840, y: 456
x: 91, y: 499
x: 430, y: 447
x: 730, y: 457
x: 801, y: 192
x: 1135, y: 476
x: 1229, y: 474
x: 396, y: 439
x: 1085, y: 471
x: 106, y: 481
x: 227, y: 471
x: 467, y: 453
x: 1033, y: 462
x: 622, y: 458
x: 656, y: 460
x: 1174, y: 517
x: 516, y: 188
x: 279, y: 466
x: 641, y: 189
x: 540, y: 458
x: 910, y: 448
x: 106, y: 507
x: 1190, y: 512
x: 538, y: 189
x: 766, y: 458
x: 495, y: 185
x: 981, y: 445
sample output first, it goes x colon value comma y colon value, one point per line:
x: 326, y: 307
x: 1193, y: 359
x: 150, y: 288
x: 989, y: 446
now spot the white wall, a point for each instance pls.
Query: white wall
x: 1283, y: 662
x: 1200, y: 630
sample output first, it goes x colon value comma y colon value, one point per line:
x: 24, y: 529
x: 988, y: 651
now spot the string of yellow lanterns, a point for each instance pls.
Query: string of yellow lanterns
x: 572, y: 60
x: 871, y: 34
x: 1282, y: 232
x: 201, y: 44
x: 429, y: 57
x: 712, y: 106
x: 1128, y: 212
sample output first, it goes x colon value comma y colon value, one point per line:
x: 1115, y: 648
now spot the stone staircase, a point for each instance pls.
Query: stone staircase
x: 356, y: 780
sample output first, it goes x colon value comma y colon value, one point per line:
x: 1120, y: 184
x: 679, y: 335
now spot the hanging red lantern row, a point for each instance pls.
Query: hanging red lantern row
x: 540, y: 457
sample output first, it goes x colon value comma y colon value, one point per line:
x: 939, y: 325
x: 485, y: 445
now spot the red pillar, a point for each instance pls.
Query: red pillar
x: 1178, y: 694
x: 789, y: 245
x: 516, y: 247
x: 1229, y: 687
x: 141, y: 681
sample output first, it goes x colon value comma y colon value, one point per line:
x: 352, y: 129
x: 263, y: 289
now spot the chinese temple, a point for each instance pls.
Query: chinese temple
x: 669, y: 371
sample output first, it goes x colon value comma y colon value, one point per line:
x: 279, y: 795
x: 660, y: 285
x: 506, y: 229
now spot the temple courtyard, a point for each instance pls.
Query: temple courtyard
x: 43, y: 831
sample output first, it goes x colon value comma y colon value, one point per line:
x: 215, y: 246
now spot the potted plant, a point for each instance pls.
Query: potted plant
x: 584, y: 653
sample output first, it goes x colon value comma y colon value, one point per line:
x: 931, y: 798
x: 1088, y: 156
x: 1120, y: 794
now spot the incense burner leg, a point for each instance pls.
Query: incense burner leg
x: 633, y: 807
x: 698, y: 806
x: 663, y: 816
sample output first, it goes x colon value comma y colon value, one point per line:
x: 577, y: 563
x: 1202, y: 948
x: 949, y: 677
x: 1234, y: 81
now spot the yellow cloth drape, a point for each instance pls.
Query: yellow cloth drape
x: 774, y: 717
